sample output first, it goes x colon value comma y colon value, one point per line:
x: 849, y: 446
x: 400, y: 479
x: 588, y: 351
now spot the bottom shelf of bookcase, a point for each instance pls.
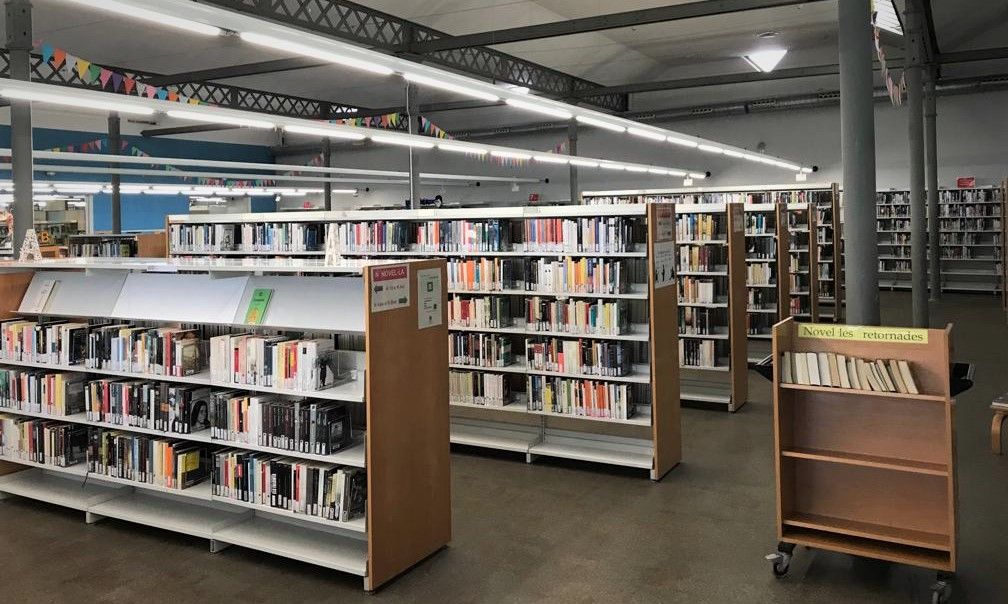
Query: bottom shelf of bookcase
x: 168, y: 513
x: 59, y: 490
x: 869, y: 548
x: 491, y: 435
x: 598, y: 448
x: 282, y: 538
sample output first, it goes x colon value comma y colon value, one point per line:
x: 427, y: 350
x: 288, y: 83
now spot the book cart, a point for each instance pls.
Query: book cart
x: 712, y: 284
x: 767, y: 264
x: 388, y: 353
x: 803, y: 265
x: 861, y: 472
x: 506, y: 263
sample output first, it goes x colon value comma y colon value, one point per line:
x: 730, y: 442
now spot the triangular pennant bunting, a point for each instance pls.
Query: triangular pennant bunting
x: 59, y: 56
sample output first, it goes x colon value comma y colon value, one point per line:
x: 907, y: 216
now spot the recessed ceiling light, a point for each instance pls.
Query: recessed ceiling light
x: 765, y: 60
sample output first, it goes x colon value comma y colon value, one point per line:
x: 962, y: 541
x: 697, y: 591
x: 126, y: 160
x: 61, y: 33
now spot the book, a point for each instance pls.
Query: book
x: 814, y: 374
x: 853, y: 376
x: 907, y: 377
x: 834, y: 371
x: 824, y: 369
x: 841, y: 362
x: 258, y: 305
x: 801, y: 368
x: 786, y: 369
x: 897, y: 377
x: 884, y: 375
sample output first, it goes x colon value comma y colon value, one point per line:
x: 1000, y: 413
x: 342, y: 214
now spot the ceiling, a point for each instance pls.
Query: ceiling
x: 683, y: 49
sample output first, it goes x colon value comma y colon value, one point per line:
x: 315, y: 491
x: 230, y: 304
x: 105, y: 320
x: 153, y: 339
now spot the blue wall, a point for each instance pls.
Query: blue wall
x: 143, y: 212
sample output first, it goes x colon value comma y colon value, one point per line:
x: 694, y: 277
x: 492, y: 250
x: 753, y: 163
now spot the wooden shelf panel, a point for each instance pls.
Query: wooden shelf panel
x: 857, y: 546
x: 871, y: 393
x: 868, y: 530
x: 871, y: 461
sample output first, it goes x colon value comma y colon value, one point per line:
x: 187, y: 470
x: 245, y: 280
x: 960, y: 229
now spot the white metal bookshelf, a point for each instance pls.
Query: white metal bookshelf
x: 514, y: 425
x: 313, y: 298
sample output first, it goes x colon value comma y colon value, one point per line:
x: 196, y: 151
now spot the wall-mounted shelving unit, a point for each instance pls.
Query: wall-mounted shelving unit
x: 517, y: 277
x: 404, y: 449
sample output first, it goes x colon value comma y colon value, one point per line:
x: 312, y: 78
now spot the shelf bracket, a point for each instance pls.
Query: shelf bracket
x: 218, y: 546
x: 92, y: 518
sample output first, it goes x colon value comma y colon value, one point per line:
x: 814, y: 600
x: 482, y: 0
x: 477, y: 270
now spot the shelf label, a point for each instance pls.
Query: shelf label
x: 862, y: 333
x: 664, y: 217
x: 389, y: 287
x: 429, y: 298
x: 257, y: 305
x: 664, y: 264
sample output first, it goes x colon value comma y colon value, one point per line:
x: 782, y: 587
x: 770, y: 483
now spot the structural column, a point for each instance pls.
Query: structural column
x: 115, y: 144
x: 413, y: 113
x: 327, y: 162
x: 572, y: 140
x: 19, y: 45
x: 931, y: 148
x: 857, y: 120
x: 915, y: 131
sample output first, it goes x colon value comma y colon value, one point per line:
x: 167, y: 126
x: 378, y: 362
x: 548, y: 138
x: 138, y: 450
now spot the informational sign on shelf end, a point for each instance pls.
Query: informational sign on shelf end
x: 389, y: 287
x: 966, y: 182
x: 429, y: 294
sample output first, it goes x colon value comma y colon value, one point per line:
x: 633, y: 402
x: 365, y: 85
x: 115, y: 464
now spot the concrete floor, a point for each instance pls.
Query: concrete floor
x: 565, y: 532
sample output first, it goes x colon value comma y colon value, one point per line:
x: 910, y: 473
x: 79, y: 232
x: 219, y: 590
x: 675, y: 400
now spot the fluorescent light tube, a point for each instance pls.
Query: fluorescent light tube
x: 540, y: 108
x: 600, y: 123
x: 655, y: 136
x: 711, y: 149
x: 511, y: 155
x: 612, y: 166
x: 788, y: 166
x: 807, y: 170
x: 685, y: 142
x: 585, y: 163
x: 161, y: 18
x: 462, y: 148
x: 552, y: 159
x: 638, y: 169
x: 402, y: 141
x: 316, y: 53
x: 74, y: 101
x: 658, y: 171
x: 697, y: 175
x: 765, y: 60
x: 326, y: 132
x: 733, y: 153
x: 676, y: 172
x: 445, y: 85
x: 221, y: 119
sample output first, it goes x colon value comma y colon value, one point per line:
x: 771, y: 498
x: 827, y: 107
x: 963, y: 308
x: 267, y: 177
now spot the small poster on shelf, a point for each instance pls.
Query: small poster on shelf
x: 389, y: 287
x: 664, y: 264
x: 258, y: 305
x: 966, y: 182
x: 429, y: 298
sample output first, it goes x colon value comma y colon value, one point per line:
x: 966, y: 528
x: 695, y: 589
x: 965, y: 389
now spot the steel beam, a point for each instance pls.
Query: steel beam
x: 327, y: 162
x: 412, y: 122
x: 353, y: 22
x: 931, y: 148
x: 152, y: 132
x: 661, y: 14
x: 424, y: 108
x: 19, y: 37
x: 857, y: 139
x: 236, y: 71
x: 969, y: 56
x: 115, y: 140
x: 915, y: 133
x: 572, y: 144
x: 718, y: 80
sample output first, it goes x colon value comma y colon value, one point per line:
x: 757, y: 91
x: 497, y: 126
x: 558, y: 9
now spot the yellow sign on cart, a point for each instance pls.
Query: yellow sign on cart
x: 863, y: 333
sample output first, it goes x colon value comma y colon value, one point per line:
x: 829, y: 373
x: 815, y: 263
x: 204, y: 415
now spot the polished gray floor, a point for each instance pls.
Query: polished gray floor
x: 564, y: 532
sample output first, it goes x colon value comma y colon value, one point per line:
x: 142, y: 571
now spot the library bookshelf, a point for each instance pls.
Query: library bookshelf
x: 767, y: 267
x: 387, y: 354
x: 803, y: 265
x: 971, y: 236
x: 514, y: 282
x: 867, y: 473
x: 125, y: 245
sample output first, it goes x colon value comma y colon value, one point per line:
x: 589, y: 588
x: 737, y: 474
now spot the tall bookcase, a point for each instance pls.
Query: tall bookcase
x: 712, y: 290
x: 864, y: 472
x: 767, y: 270
x: 829, y: 244
x: 510, y: 270
x: 388, y: 352
x: 803, y: 264
x: 971, y: 236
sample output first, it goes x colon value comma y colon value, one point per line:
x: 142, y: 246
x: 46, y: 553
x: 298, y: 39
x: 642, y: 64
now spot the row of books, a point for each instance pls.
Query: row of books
x: 586, y: 357
x: 577, y: 316
x: 39, y: 391
x: 698, y: 353
x: 584, y: 275
x: 320, y: 490
x: 894, y: 266
x: 840, y: 371
x: 799, y: 306
x: 374, y: 236
x: 481, y: 312
x: 760, y: 324
x: 757, y: 223
x: 703, y: 258
x: 700, y: 227
x: 111, y: 248
x: 580, y: 398
x: 478, y: 388
x: 762, y: 298
x: 969, y: 211
x: 700, y: 290
x: 177, y: 409
x: 970, y: 195
x: 701, y: 321
x: 275, y: 361
x: 970, y: 224
x: 480, y: 350
x: 483, y: 274
x: 247, y: 237
x: 306, y: 426
x: 42, y: 440
x: 202, y: 237
x: 759, y: 273
x: 606, y: 234
x: 147, y: 459
x: 761, y: 248
x: 959, y: 238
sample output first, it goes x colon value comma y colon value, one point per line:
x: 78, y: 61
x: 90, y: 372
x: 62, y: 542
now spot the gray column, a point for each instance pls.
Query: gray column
x: 413, y: 113
x: 931, y: 148
x: 114, y: 140
x: 857, y: 120
x: 19, y: 45
x: 915, y: 131
x: 572, y: 140
x: 327, y: 162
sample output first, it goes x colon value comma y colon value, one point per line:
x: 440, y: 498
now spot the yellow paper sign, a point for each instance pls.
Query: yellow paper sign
x: 862, y: 333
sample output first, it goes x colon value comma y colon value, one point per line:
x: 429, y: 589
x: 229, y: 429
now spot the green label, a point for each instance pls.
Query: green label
x: 258, y: 305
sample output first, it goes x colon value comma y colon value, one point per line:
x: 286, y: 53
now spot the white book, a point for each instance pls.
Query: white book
x: 897, y: 378
x: 824, y: 372
x: 908, y: 377
x: 785, y: 369
x: 801, y: 368
x: 813, y: 369
x: 841, y: 362
x: 852, y: 375
x: 884, y: 374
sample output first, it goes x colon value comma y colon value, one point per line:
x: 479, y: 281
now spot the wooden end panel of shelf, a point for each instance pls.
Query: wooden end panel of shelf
x: 408, y: 458
x: 666, y: 423
x: 12, y: 290
x: 738, y: 297
x: 783, y: 263
x: 152, y: 245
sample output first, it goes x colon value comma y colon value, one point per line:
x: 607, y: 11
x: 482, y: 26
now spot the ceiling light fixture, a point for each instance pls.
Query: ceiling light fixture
x: 651, y: 134
x: 683, y: 142
x: 658, y: 171
x: 584, y: 163
x: 74, y: 101
x: 402, y: 141
x: 221, y: 119
x: 462, y: 148
x: 450, y: 87
x: 511, y: 154
x: 600, y: 123
x: 711, y: 149
x: 733, y: 153
x: 325, y: 132
x: 638, y: 169
x: 612, y: 166
x: 317, y: 53
x: 697, y: 175
x: 551, y: 159
x: 540, y: 108
x: 128, y: 10
x: 765, y: 60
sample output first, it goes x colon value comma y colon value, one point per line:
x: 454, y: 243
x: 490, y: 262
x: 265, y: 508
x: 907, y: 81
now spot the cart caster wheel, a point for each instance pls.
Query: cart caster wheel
x: 781, y: 563
x: 940, y: 592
